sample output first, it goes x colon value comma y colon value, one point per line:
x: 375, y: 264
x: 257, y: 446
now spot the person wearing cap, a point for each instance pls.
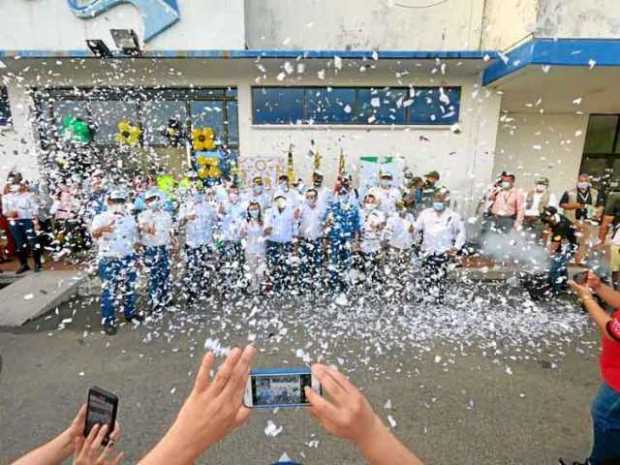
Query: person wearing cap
x: 386, y: 194
x: 506, y: 204
x: 342, y: 223
x: 324, y: 195
x: 399, y: 238
x: 429, y: 188
x: 412, y: 196
x: 443, y: 236
x: 116, y: 234
x: 371, y: 233
x: 21, y: 209
x: 293, y: 199
x: 197, y: 218
x: 311, y: 237
x: 584, y: 206
x: 563, y: 244
x: 232, y: 213
x: 536, y: 200
x: 258, y: 194
x: 157, y: 236
x: 280, y: 233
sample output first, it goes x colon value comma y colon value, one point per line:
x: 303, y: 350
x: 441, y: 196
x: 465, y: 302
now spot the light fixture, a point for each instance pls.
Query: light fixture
x: 126, y: 41
x: 99, y: 48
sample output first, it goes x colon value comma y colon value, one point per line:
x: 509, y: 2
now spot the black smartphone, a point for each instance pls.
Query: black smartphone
x: 581, y: 277
x: 101, y: 410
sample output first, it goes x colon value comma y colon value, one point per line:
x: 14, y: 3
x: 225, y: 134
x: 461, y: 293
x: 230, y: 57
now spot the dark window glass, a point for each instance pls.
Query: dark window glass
x: 209, y: 114
x: 5, y: 108
x: 157, y: 115
x: 232, y: 123
x: 329, y: 105
x: 601, y: 134
x: 278, y: 105
x: 107, y: 115
x: 435, y: 105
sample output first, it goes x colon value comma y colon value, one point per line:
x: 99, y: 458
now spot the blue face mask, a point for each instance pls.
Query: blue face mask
x: 439, y: 206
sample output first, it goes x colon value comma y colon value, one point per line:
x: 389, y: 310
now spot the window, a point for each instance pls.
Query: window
x: 151, y: 109
x: 601, y: 155
x: 359, y: 105
x: 5, y: 108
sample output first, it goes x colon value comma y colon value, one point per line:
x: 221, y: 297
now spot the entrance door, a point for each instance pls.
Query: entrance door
x: 601, y: 154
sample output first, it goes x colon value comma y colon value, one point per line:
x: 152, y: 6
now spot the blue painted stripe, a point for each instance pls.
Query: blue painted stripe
x: 555, y: 52
x: 274, y: 54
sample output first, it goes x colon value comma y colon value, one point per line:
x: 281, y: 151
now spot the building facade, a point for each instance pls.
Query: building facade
x: 466, y: 87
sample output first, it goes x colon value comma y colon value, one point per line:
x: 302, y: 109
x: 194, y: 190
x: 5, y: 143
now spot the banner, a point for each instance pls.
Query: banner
x: 268, y: 168
x: 371, y: 165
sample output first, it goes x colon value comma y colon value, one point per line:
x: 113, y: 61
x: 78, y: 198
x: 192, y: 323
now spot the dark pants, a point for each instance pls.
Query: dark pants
x: 232, y: 255
x: 311, y: 255
x: 278, y: 255
x: 199, y: 272
x: 118, y: 280
x: 25, y: 238
x: 558, y: 272
x: 371, y: 266
x: 503, y: 224
x: 606, y: 427
x: 340, y: 260
x: 435, y: 269
x: 158, y: 268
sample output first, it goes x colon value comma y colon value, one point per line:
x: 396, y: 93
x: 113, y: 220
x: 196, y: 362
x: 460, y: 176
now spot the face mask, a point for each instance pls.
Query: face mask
x: 317, y: 184
x: 385, y: 183
x: 300, y: 187
x: 117, y: 208
x: 284, y: 186
x: 233, y: 196
x: 311, y: 201
x: 254, y: 213
x: 14, y: 188
x: 505, y: 185
x: 541, y: 188
x: 154, y: 204
x: 258, y: 190
x: 583, y: 185
x: 281, y: 203
x: 370, y: 206
x: 439, y: 206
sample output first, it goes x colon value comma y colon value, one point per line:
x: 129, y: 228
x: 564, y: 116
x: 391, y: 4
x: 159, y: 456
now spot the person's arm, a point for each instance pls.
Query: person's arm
x: 566, y: 204
x: 520, y: 209
x: 212, y: 410
x: 606, y: 222
x: 348, y: 415
x: 608, y: 326
x: 605, y: 292
x: 97, y: 230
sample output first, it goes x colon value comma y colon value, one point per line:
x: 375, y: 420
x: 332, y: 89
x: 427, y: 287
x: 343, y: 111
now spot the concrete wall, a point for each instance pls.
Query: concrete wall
x: 464, y: 158
x: 532, y: 145
x: 367, y: 24
x: 50, y: 25
x: 506, y: 22
x: 579, y: 18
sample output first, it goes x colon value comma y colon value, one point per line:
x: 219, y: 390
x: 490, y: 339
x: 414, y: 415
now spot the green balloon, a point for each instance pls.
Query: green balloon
x: 76, y: 130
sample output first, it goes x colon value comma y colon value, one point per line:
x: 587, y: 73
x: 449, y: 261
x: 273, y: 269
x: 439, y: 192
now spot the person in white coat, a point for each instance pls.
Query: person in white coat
x: 253, y: 239
x: 443, y: 233
x: 311, y: 237
x: 399, y: 238
x: 386, y: 194
x: 156, y: 235
x: 372, y: 224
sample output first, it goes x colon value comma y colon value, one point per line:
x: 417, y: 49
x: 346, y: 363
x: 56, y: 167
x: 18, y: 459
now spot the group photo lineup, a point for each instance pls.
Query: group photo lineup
x: 291, y: 232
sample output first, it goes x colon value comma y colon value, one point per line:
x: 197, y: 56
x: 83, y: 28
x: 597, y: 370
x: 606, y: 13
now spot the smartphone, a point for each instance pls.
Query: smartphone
x: 101, y: 409
x: 279, y: 387
x: 581, y: 277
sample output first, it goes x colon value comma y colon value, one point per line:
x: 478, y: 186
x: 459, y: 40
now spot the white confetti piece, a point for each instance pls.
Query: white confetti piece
x: 392, y: 421
x: 272, y: 430
x: 29, y: 296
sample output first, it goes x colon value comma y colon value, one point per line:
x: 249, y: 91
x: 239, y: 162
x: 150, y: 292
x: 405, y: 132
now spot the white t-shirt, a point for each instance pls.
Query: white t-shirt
x: 282, y: 223
x: 198, y: 231
x: 387, y: 198
x: 398, y: 231
x: 24, y: 203
x: 162, y: 221
x: 121, y: 241
x: 233, y: 217
x: 253, y: 237
x: 441, y: 232
x: 311, y: 222
x: 373, y: 222
x: 293, y: 199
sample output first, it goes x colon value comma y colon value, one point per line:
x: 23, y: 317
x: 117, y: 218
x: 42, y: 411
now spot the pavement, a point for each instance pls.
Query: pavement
x: 453, y: 403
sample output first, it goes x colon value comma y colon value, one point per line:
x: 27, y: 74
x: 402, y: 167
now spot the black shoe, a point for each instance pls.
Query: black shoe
x: 139, y: 317
x: 110, y: 330
x: 22, y: 269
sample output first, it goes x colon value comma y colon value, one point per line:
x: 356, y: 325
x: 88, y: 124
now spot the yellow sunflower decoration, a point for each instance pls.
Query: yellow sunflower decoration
x: 203, y: 139
x: 208, y: 167
x: 128, y: 134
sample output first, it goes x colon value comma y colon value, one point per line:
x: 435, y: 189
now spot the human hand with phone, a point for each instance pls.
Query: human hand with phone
x: 91, y: 450
x: 213, y: 409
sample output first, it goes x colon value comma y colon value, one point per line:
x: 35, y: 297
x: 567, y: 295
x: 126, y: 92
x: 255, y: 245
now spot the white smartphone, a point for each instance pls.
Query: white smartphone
x: 279, y: 387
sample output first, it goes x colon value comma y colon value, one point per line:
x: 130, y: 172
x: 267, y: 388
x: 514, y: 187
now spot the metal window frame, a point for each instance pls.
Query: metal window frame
x: 357, y: 106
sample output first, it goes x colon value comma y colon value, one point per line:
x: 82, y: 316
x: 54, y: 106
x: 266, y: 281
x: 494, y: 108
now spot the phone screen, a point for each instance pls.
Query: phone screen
x: 285, y: 390
x: 101, y: 410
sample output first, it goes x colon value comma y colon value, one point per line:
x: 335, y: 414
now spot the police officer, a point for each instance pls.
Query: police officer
x: 116, y: 235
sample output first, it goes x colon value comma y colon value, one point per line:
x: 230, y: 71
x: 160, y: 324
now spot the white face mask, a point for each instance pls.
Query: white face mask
x: 541, y: 188
x: 281, y: 203
x: 117, y: 207
x: 258, y: 190
x: 284, y: 186
x: 233, y: 197
x: 505, y: 185
x: 385, y: 183
x: 254, y: 213
x: 583, y: 185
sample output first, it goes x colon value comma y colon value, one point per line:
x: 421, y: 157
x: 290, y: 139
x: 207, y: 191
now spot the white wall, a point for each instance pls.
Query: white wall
x: 579, y: 18
x: 531, y: 145
x: 50, y: 25
x: 365, y: 24
x: 506, y: 22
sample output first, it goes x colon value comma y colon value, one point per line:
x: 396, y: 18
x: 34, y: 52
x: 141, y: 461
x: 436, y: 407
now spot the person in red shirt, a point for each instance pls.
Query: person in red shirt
x: 606, y: 404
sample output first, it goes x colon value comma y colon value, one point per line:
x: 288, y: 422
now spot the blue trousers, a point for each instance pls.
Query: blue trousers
x: 278, y: 254
x: 606, y: 426
x: 311, y: 255
x: 558, y: 272
x: 340, y: 261
x: 118, y: 280
x: 158, y: 267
